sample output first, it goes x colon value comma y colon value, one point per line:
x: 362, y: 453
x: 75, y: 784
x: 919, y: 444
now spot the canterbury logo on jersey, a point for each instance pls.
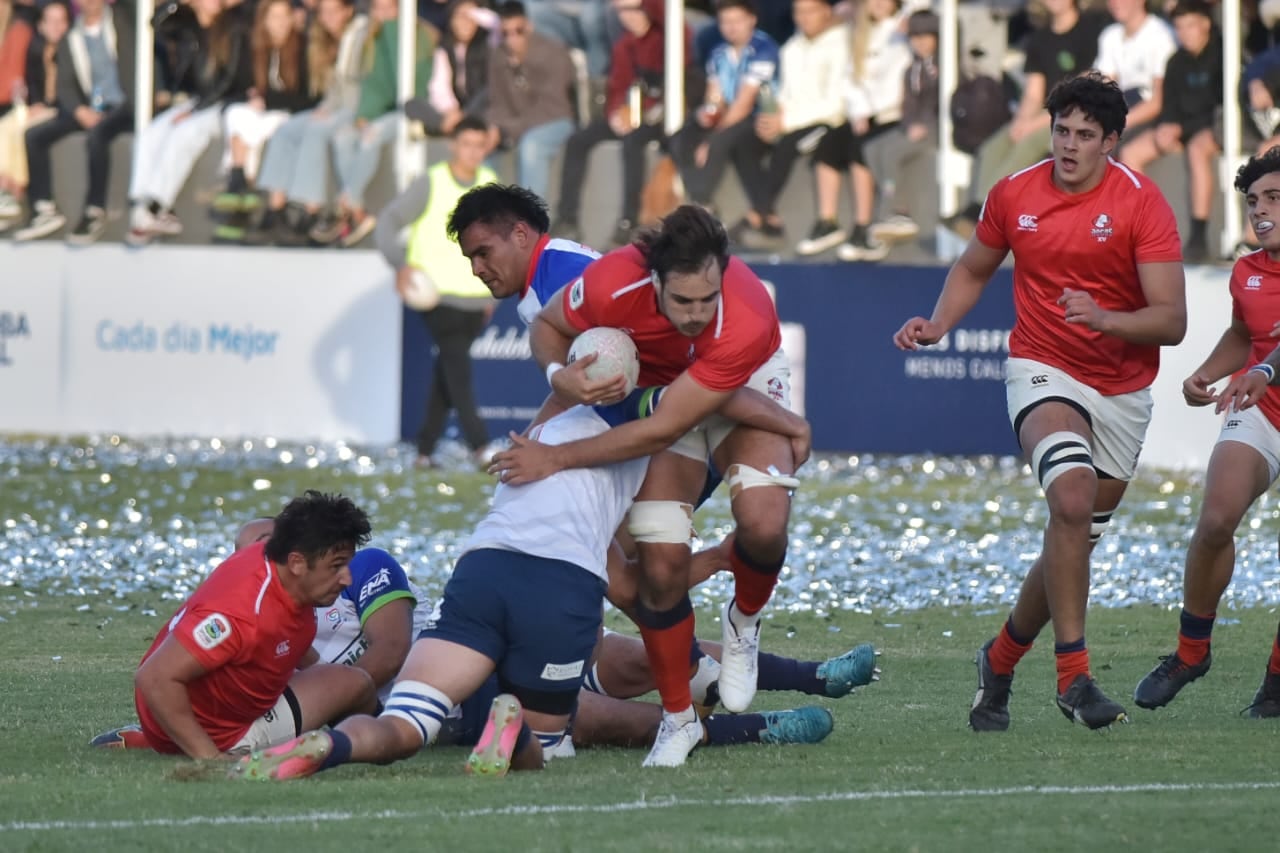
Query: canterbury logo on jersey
x: 1254, y: 283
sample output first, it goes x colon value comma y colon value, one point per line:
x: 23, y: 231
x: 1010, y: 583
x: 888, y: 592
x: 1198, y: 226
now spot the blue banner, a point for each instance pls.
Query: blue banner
x: 861, y: 394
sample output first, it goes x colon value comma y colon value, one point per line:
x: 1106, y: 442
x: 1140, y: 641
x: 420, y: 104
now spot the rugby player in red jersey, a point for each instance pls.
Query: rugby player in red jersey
x: 704, y: 326
x: 1246, y: 459
x: 1098, y: 288
x: 221, y: 677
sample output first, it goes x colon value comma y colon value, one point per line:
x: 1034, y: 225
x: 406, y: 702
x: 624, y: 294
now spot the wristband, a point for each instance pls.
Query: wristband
x: 1266, y: 370
x: 552, y: 369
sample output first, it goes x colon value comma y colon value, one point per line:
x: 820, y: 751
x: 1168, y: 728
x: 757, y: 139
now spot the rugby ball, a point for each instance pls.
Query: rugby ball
x: 616, y: 354
x: 422, y: 293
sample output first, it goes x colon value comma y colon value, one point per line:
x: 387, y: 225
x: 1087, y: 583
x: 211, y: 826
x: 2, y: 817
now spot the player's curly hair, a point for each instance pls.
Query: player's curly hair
x: 1257, y: 166
x: 684, y: 241
x: 498, y: 205
x: 1096, y: 96
x: 315, y: 524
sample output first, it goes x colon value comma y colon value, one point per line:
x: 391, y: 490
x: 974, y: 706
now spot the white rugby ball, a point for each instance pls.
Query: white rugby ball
x: 422, y: 294
x: 616, y: 354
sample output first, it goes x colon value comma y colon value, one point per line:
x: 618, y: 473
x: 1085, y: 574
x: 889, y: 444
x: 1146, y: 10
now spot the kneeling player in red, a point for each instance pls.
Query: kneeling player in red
x: 221, y: 677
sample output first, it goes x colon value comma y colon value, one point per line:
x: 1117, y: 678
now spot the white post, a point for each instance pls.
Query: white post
x: 948, y: 79
x: 409, y: 155
x: 673, y: 85
x: 1232, y: 135
x: 144, y: 56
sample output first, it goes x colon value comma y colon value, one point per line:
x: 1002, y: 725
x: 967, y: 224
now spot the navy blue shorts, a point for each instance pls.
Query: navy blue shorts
x: 537, y: 619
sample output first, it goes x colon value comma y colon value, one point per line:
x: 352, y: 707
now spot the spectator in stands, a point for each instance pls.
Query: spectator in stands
x: 1190, y: 118
x: 37, y: 104
x: 358, y: 147
x: 632, y: 114
x: 15, y: 38
x: 809, y: 117
x: 915, y: 141
x: 773, y: 18
x: 465, y: 303
x: 280, y: 89
x: 1065, y: 46
x: 95, y: 65
x: 295, y: 164
x: 723, y: 128
x: 1134, y: 52
x: 531, y: 80
x: 585, y: 24
x: 168, y: 149
x: 459, y: 70
x: 879, y: 59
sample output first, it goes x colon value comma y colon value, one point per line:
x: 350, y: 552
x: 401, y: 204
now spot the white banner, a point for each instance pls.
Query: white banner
x: 31, y: 301
x: 217, y: 342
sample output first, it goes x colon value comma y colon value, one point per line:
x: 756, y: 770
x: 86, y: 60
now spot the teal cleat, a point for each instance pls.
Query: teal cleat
x: 810, y: 724
x: 855, y: 668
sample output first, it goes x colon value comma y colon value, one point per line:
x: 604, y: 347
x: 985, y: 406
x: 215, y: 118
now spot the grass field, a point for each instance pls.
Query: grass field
x: 100, y: 538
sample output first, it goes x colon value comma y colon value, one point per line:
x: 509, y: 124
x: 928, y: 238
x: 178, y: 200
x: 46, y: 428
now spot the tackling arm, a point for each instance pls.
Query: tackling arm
x: 162, y: 682
x: 389, y: 632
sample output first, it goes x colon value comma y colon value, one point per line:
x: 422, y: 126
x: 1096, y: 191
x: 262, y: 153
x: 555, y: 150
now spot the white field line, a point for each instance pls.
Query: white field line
x: 661, y: 803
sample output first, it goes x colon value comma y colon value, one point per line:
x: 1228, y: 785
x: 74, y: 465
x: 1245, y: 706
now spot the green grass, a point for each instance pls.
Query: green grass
x: 66, y: 675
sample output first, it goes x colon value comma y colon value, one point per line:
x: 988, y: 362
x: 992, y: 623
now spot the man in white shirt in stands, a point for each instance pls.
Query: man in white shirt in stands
x: 1134, y: 52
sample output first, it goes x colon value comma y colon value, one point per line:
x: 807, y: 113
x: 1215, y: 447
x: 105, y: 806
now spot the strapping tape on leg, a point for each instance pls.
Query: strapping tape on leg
x: 1099, y: 525
x: 1058, y: 453
x: 743, y: 477
x: 666, y: 522
x: 420, y: 704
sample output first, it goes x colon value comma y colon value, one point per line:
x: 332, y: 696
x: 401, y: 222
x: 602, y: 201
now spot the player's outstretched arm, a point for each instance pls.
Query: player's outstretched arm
x: 550, y: 337
x: 1229, y: 355
x: 963, y: 288
x: 162, y: 682
x: 1163, y: 322
x: 751, y: 408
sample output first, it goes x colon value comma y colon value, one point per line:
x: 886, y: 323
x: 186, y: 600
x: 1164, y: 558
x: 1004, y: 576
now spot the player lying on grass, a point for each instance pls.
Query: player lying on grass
x: 524, y: 602
x: 222, y: 676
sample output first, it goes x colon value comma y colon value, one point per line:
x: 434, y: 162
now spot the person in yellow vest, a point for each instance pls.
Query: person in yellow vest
x: 435, y: 279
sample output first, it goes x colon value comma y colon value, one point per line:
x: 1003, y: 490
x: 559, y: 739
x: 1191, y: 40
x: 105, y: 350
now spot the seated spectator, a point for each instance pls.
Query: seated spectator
x: 1134, y: 52
x: 915, y: 141
x: 295, y: 163
x: 167, y: 149
x: 15, y: 38
x: 459, y: 70
x: 633, y: 113
x: 37, y: 103
x: 1191, y: 117
x: 879, y: 58
x: 357, y: 147
x: 531, y: 81
x: 95, y: 66
x: 1065, y: 46
x: 280, y: 89
x: 588, y: 25
x: 773, y: 18
x: 723, y: 129
x: 809, y: 115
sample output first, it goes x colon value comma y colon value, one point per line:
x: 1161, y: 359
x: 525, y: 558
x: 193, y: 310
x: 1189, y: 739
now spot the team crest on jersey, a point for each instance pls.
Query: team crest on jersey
x: 1102, y: 229
x: 282, y: 649
x: 1254, y: 283
x: 211, y: 631
x: 577, y: 294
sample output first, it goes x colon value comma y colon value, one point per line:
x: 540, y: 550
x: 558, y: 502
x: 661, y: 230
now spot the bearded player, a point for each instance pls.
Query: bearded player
x: 704, y: 326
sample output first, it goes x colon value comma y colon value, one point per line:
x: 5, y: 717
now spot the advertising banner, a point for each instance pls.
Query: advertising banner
x: 31, y: 301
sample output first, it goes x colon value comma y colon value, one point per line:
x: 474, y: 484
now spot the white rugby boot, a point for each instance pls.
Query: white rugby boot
x: 740, y: 637
x: 678, y: 735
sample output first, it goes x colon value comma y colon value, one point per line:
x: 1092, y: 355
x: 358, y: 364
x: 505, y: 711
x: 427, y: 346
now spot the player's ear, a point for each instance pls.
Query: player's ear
x: 1109, y: 143
x: 296, y: 564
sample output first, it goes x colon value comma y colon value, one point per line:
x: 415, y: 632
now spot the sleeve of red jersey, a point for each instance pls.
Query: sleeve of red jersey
x: 1156, y: 232
x: 212, y: 637
x: 990, y: 229
x: 588, y: 294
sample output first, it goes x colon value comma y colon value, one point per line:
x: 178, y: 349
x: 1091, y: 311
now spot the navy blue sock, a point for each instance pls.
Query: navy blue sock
x: 728, y: 729
x: 695, y: 653
x: 1197, y: 627
x: 779, y: 673
x: 1015, y: 636
x: 341, y: 752
x: 1068, y: 648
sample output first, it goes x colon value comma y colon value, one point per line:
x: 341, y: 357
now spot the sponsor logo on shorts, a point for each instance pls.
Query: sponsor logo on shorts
x: 775, y: 389
x: 1039, y: 379
x: 1028, y: 222
x: 1254, y: 283
x: 212, y: 631
x: 562, y: 671
x: 1231, y: 424
x: 577, y: 294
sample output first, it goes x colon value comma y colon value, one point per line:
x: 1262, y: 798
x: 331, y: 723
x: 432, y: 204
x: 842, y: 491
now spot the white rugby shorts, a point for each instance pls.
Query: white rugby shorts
x: 773, y: 379
x: 274, y: 727
x: 1119, y: 421
x: 1251, y: 427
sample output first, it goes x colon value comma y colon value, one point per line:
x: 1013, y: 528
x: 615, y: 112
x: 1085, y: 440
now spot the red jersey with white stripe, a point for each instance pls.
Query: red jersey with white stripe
x: 1092, y: 241
x: 249, y: 636
x: 617, y: 291
x: 1255, y: 301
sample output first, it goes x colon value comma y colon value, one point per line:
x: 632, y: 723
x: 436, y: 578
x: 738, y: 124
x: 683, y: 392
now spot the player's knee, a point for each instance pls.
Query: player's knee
x: 1066, y: 454
x: 1216, y: 527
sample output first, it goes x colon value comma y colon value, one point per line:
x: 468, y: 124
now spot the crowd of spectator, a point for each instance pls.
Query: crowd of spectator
x: 301, y: 96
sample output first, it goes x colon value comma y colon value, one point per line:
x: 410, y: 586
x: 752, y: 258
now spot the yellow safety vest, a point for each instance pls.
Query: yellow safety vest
x: 430, y: 248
